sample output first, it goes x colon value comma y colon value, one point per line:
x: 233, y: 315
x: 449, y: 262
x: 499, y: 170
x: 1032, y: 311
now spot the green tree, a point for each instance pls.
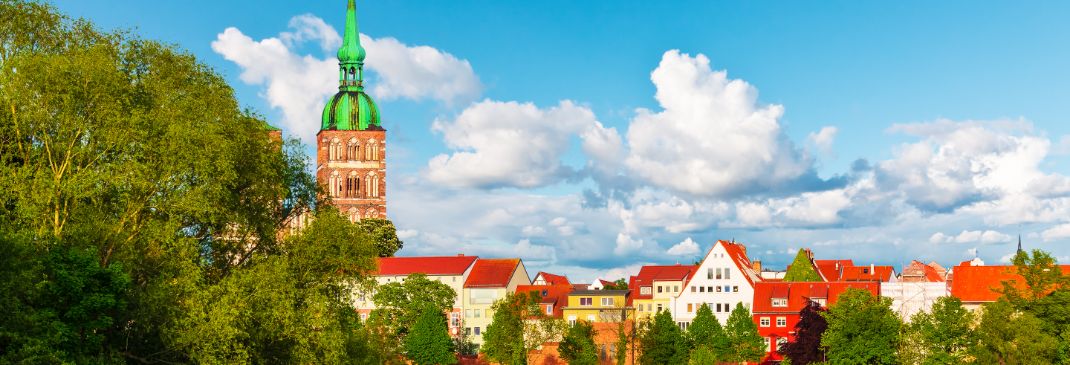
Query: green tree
x: 1008, y: 336
x: 625, y: 336
x: 664, y: 343
x: 706, y: 331
x: 944, y: 333
x: 504, y: 340
x: 618, y: 284
x: 862, y: 328
x: 802, y: 268
x: 383, y: 234
x: 429, y: 342
x: 703, y: 355
x: 577, y: 347
x: 401, y: 303
x: 133, y: 156
x: 746, y: 345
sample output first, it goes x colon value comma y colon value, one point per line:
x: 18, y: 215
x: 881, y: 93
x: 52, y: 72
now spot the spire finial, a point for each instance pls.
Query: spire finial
x: 351, y: 53
x: 1019, y: 243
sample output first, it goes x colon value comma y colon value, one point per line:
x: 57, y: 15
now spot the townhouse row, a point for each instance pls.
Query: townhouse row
x: 723, y: 279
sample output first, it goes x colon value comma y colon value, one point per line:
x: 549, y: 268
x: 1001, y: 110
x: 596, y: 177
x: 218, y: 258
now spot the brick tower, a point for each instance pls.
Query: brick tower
x: 351, y: 143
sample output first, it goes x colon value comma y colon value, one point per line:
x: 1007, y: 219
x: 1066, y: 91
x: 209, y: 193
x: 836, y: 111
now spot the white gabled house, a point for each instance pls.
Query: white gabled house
x: 724, y: 278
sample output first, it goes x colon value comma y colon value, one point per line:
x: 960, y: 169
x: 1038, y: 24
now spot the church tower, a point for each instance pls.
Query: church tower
x: 351, y: 143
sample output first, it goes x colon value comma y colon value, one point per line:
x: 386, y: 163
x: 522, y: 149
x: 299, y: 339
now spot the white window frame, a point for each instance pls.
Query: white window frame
x: 780, y: 302
x: 607, y: 302
x: 781, y: 321
x: 763, y: 322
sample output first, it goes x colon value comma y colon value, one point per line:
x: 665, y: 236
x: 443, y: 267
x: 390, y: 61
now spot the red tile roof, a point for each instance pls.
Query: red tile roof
x: 738, y: 253
x: 799, y: 293
x: 920, y: 272
x: 984, y: 283
x: 430, y: 265
x: 867, y: 273
x: 552, y: 279
x: 832, y: 269
x: 650, y: 273
x: 492, y: 273
x: 556, y: 295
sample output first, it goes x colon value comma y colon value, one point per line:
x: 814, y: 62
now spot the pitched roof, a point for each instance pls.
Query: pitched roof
x: 650, y: 273
x: 920, y: 272
x: 552, y: 279
x: 556, y: 295
x: 429, y: 265
x: 867, y: 273
x: 800, y: 293
x: 492, y: 273
x: 832, y: 269
x: 984, y: 283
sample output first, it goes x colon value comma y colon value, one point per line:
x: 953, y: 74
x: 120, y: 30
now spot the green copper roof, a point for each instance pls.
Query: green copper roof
x: 351, y: 51
x: 351, y: 108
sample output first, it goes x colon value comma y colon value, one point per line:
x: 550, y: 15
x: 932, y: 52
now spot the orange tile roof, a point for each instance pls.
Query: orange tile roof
x: 864, y: 273
x: 832, y: 269
x: 650, y: 273
x: 555, y: 295
x: 429, y: 265
x: 552, y: 279
x: 984, y: 283
x: 492, y: 273
x: 799, y: 293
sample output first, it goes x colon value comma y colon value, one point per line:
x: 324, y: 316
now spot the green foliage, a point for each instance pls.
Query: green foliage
x: 706, y: 332
x: 1041, y: 273
x: 577, y: 347
x: 805, y: 347
x: 145, y: 207
x: 618, y: 284
x: 429, y: 342
x: 802, y: 268
x: 943, y: 334
x: 862, y: 328
x: 503, y: 342
x: 663, y: 342
x: 703, y: 355
x: 745, y: 343
x: 1008, y: 336
x: 384, y: 235
x: 400, y: 304
x: 623, y: 340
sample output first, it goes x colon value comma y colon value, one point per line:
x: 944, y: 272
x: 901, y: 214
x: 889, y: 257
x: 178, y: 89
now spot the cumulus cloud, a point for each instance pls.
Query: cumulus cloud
x: 983, y: 237
x: 687, y: 247
x: 823, y: 138
x: 299, y: 84
x: 713, y: 137
x: 509, y: 144
x: 1058, y: 232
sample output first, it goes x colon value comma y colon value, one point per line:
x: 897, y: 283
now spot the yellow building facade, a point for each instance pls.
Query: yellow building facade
x: 596, y: 306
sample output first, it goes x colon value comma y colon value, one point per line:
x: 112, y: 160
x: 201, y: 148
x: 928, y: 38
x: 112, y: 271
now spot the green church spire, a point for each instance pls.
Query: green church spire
x: 351, y: 108
x: 351, y: 54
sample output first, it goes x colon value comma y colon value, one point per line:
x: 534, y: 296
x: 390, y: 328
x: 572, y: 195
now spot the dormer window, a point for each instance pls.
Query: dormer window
x: 644, y: 290
x: 780, y: 302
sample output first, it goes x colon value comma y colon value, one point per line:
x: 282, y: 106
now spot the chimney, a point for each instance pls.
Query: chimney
x: 757, y: 265
x: 871, y: 268
x: 460, y: 255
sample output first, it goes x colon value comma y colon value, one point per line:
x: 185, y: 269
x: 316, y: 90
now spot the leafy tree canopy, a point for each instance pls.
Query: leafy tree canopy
x: 577, y: 347
x: 504, y: 340
x: 706, y: 331
x: 663, y: 343
x: 429, y: 342
x: 944, y: 333
x: 401, y: 303
x: 805, y: 348
x: 383, y: 234
x: 746, y: 344
x: 802, y: 268
x: 862, y: 328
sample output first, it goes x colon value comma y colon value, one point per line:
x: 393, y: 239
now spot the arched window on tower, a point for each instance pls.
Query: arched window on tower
x: 332, y: 184
x: 353, y: 185
x: 354, y: 215
x: 334, y: 150
x: 371, y: 150
x: 352, y: 150
x: 371, y: 213
x: 373, y: 185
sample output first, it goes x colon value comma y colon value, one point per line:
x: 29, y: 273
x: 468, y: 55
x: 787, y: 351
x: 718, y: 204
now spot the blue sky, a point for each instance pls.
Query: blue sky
x: 957, y: 109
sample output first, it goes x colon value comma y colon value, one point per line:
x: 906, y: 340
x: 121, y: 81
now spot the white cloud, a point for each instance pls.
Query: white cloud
x: 626, y: 244
x: 508, y: 144
x: 687, y: 247
x: 712, y: 137
x: 983, y: 237
x: 1058, y: 232
x: 823, y: 138
x: 299, y: 84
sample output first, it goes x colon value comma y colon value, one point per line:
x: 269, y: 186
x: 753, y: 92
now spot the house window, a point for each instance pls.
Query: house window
x: 735, y: 288
x: 701, y: 289
x: 718, y: 308
x: 819, y: 301
x: 719, y: 275
x: 468, y: 313
x: 718, y: 288
x: 769, y: 344
x: 478, y: 312
x: 675, y: 288
x: 781, y: 322
x: 727, y: 273
x: 709, y: 289
x: 455, y: 319
x: 644, y: 290
x: 571, y: 320
x: 659, y: 308
x: 709, y: 273
x: 476, y: 331
x: 689, y: 308
x: 763, y: 322
x: 549, y: 309
x: 780, y: 302
x: 607, y: 302
x: 586, y: 302
x: 727, y: 288
x: 692, y: 288
x: 590, y: 318
x: 659, y: 288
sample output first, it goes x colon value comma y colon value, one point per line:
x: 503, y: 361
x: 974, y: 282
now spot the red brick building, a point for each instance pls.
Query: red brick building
x: 777, y: 306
